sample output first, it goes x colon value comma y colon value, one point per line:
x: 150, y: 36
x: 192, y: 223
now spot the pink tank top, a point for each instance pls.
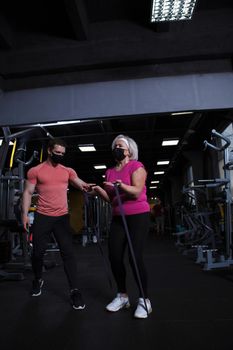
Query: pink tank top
x: 130, y: 206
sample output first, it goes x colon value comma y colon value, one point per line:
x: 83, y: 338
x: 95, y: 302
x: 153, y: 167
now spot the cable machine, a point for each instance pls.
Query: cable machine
x: 223, y: 260
x: 13, y: 240
x: 97, y: 219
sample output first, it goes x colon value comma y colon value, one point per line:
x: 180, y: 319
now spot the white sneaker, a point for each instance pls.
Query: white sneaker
x: 118, y: 303
x: 141, y: 311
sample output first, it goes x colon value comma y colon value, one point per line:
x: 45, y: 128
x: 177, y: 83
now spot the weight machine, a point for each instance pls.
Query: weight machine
x: 196, y: 223
x: 97, y: 219
x: 14, y: 242
x: 198, y: 233
x: 224, y: 259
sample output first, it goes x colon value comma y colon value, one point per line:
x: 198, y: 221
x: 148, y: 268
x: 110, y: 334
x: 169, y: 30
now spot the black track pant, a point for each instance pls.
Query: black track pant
x: 138, y: 226
x: 60, y: 227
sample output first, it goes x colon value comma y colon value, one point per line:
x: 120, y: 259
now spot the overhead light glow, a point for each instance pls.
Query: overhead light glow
x: 98, y: 167
x: 159, y: 172
x: 10, y: 143
x: 181, y: 113
x: 153, y: 187
x: 87, y: 148
x: 65, y: 122
x: 172, y: 10
x: 163, y: 162
x: 154, y: 182
x: 171, y: 142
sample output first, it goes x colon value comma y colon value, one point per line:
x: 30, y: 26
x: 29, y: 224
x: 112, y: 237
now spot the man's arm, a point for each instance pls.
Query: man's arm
x: 26, y: 202
x: 80, y: 184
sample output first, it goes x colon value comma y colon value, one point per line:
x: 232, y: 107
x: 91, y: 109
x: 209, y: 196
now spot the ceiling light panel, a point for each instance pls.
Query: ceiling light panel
x: 181, y: 113
x: 159, y: 172
x: 163, y: 162
x: 98, y: 167
x: 87, y: 148
x: 172, y: 10
x: 65, y: 122
x: 171, y: 142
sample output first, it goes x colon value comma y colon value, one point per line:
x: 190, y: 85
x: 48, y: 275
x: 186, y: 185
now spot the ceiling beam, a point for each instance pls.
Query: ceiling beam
x: 118, y: 98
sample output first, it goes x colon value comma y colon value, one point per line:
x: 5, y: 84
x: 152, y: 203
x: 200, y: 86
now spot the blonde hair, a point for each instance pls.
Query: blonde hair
x: 131, y: 144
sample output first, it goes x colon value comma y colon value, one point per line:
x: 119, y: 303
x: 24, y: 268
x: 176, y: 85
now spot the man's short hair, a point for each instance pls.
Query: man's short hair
x: 56, y: 141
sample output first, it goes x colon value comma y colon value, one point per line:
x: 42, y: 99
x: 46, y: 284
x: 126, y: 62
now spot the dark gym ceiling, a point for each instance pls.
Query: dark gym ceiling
x: 50, y: 43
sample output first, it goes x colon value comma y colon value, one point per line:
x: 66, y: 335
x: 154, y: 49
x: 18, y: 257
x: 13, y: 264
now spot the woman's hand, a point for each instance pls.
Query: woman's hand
x: 96, y: 188
x: 108, y: 184
x: 118, y: 183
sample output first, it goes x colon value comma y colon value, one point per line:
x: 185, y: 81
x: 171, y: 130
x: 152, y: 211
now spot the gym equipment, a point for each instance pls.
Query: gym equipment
x: 212, y: 249
x: 95, y: 209
x: 225, y: 260
x: 196, y: 223
x: 97, y: 219
x: 11, y: 189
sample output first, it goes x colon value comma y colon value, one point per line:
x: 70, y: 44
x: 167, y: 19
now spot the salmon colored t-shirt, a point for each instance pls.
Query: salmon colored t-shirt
x: 51, y: 185
x: 130, y: 206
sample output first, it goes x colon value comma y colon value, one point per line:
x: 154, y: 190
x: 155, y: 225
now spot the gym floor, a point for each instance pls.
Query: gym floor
x: 192, y: 308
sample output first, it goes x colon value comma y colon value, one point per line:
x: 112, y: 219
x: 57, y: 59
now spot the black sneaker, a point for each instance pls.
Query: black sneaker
x: 36, y: 287
x: 77, y: 300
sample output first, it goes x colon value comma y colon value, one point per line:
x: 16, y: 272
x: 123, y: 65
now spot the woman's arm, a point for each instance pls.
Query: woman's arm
x: 99, y: 191
x: 138, y: 183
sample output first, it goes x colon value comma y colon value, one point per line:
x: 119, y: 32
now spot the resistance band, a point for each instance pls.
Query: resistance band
x: 116, y: 186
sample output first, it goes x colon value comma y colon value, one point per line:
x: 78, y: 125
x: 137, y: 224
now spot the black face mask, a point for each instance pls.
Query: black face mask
x: 57, y: 158
x: 118, y: 154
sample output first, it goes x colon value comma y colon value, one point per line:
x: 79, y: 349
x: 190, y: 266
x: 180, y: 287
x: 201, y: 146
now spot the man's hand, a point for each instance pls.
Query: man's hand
x: 87, y: 187
x: 25, y: 220
x: 81, y: 185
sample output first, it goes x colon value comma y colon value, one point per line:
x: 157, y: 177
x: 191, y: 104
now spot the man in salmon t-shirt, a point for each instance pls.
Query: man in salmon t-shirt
x: 50, y: 180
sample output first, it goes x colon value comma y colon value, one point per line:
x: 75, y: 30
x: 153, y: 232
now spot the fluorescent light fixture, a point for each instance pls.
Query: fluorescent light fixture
x: 159, y: 172
x: 65, y: 122
x: 170, y: 142
x: 163, y: 162
x: 181, y: 113
x: 87, y: 148
x: 98, y: 167
x: 103, y: 176
x: 172, y: 10
x: 154, y: 182
x: 153, y: 187
x: 1, y: 142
